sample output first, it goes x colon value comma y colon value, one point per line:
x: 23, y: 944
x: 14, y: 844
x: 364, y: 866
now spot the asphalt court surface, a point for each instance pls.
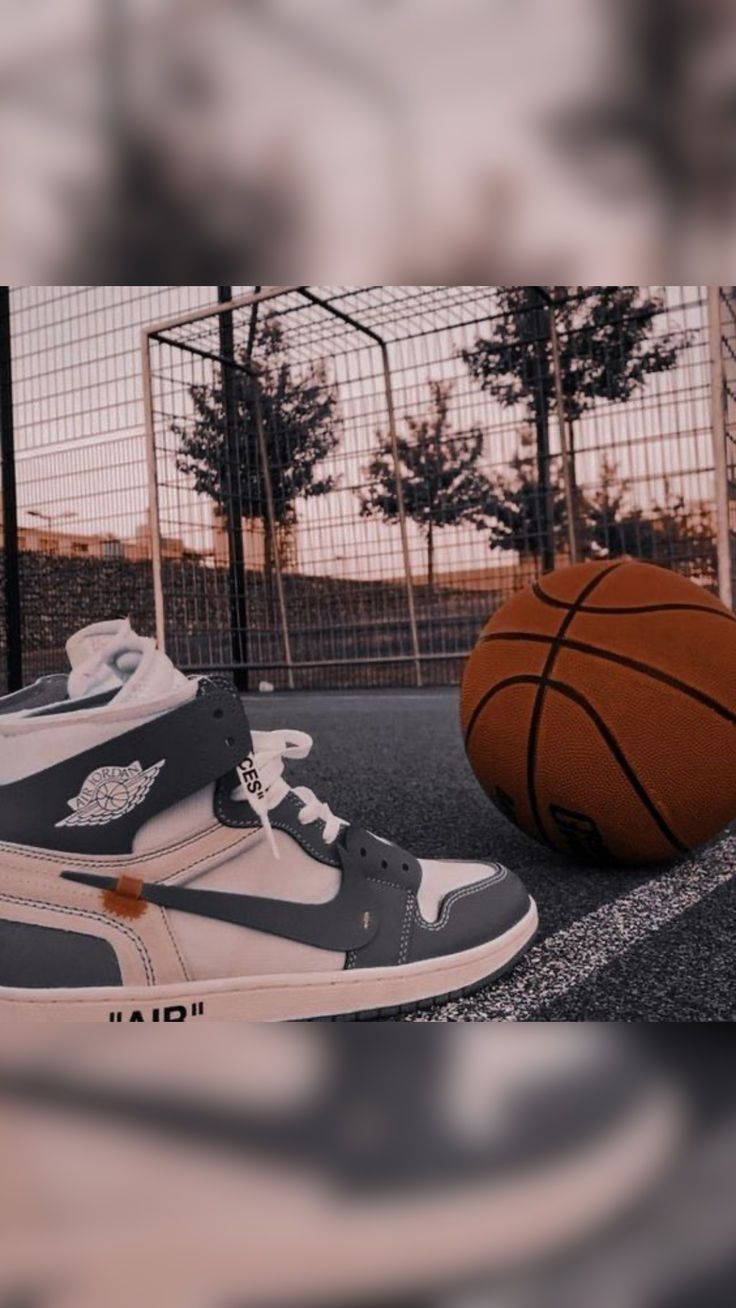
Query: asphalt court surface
x: 652, y: 945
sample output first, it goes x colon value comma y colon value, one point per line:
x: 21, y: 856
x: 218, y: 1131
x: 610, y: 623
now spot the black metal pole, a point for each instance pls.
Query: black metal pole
x: 233, y: 497
x: 14, y: 647
x: 540, y: 337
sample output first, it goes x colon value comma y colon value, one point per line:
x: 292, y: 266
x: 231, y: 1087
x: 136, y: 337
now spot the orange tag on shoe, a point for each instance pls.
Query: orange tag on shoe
x: 125, y: 900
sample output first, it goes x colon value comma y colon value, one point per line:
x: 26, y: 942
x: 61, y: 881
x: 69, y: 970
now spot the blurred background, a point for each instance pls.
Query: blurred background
x: 232, y: 1167
x: 364, y: 140
x: 325, y: 486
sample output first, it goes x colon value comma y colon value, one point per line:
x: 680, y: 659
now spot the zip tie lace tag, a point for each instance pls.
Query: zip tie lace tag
x: 250, y: 780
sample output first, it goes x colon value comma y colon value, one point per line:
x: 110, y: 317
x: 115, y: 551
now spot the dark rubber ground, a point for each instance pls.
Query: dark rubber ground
x: 659, y: 944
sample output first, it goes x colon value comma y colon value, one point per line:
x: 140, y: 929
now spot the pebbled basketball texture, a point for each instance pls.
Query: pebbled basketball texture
x: 599, y: 712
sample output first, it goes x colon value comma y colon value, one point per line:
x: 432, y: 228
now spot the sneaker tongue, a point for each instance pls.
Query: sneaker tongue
x: 90, y: 640
x: 110, y: 656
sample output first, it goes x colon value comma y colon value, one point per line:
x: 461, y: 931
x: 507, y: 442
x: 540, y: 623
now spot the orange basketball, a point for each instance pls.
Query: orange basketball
x: 599, y: 712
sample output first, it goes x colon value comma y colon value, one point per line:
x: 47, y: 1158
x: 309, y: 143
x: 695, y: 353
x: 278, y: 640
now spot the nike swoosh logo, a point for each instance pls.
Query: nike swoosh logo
x: 347, y: 922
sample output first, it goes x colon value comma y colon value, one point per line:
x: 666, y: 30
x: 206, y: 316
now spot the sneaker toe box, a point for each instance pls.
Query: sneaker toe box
x: 472, y: 915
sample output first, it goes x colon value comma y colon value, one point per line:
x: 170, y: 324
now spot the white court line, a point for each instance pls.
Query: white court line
x: 558, y: 964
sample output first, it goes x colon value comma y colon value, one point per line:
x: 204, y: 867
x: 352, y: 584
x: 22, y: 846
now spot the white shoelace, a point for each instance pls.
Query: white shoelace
x: 262, y: 784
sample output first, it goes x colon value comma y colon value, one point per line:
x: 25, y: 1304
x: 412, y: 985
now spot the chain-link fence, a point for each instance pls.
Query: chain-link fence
x: 83, y: 541
x: 361, y: 475
x: 723, y: 335
x: 329, y: 486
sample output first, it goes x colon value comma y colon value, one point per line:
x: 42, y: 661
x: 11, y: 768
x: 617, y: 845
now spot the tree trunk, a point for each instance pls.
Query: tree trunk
x: 577, y: 497
x: 234, y: 509
x: 540, y: 407
x: 430, y: 558
x: 269, y: 563
x: 546, y: 541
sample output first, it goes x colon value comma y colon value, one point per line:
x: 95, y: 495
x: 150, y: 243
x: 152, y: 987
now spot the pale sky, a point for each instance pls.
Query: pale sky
x: 79, y: 417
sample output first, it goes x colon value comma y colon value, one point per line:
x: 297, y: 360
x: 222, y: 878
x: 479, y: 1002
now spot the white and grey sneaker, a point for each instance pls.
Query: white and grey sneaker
x: 156, y: 866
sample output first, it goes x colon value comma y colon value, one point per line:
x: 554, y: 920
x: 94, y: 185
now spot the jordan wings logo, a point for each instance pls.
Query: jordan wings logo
x: 109, y: 793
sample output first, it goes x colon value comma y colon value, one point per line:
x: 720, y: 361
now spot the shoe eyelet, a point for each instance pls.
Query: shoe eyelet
x: 405, y: 867
x: 384, y: 864
x: 363, y: 853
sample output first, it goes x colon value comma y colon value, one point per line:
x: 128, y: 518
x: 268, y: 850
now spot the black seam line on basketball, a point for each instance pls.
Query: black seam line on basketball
x: 611, y: 609
x: 547, y: 668
x: 538, y: 706
x: 581, y: 647
x: 529, y: 679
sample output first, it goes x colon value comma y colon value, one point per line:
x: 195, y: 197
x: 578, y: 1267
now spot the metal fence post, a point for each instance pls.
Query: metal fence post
x: 538, y: 302
x: 234, y: 498
x: 272, y: 526
x: 568, y: 471
x: 720, y: 462
x: 13, y: 632
x: 154, y: 516
x: 391, y: 412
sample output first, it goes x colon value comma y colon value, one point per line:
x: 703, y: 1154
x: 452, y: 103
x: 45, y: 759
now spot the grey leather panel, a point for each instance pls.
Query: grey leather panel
x: 380, y: 861
x: 396, y: 909
x: 285, y: 817
x: 76, y: 705
x: 70, y: 807
x: 468, y: 917
x: 38, y: 957
x: 45, y: 691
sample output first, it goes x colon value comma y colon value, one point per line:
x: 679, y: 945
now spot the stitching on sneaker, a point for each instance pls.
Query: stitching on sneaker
x: 299, y: 832
x: 151, y: 856
x: 456, y: 895
x: 406, y: 928
x: 175, y: 945
x: 94, y: 917
x: 352, y: 957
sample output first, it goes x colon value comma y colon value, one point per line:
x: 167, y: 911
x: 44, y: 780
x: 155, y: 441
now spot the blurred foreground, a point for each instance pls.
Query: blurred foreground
x: 232, y: 1167
x: 363, y: 140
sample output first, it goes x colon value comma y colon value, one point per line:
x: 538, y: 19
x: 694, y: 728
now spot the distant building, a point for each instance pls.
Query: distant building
x: 79, y: 544
x: 137, y: 548
x: 68, y: 544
